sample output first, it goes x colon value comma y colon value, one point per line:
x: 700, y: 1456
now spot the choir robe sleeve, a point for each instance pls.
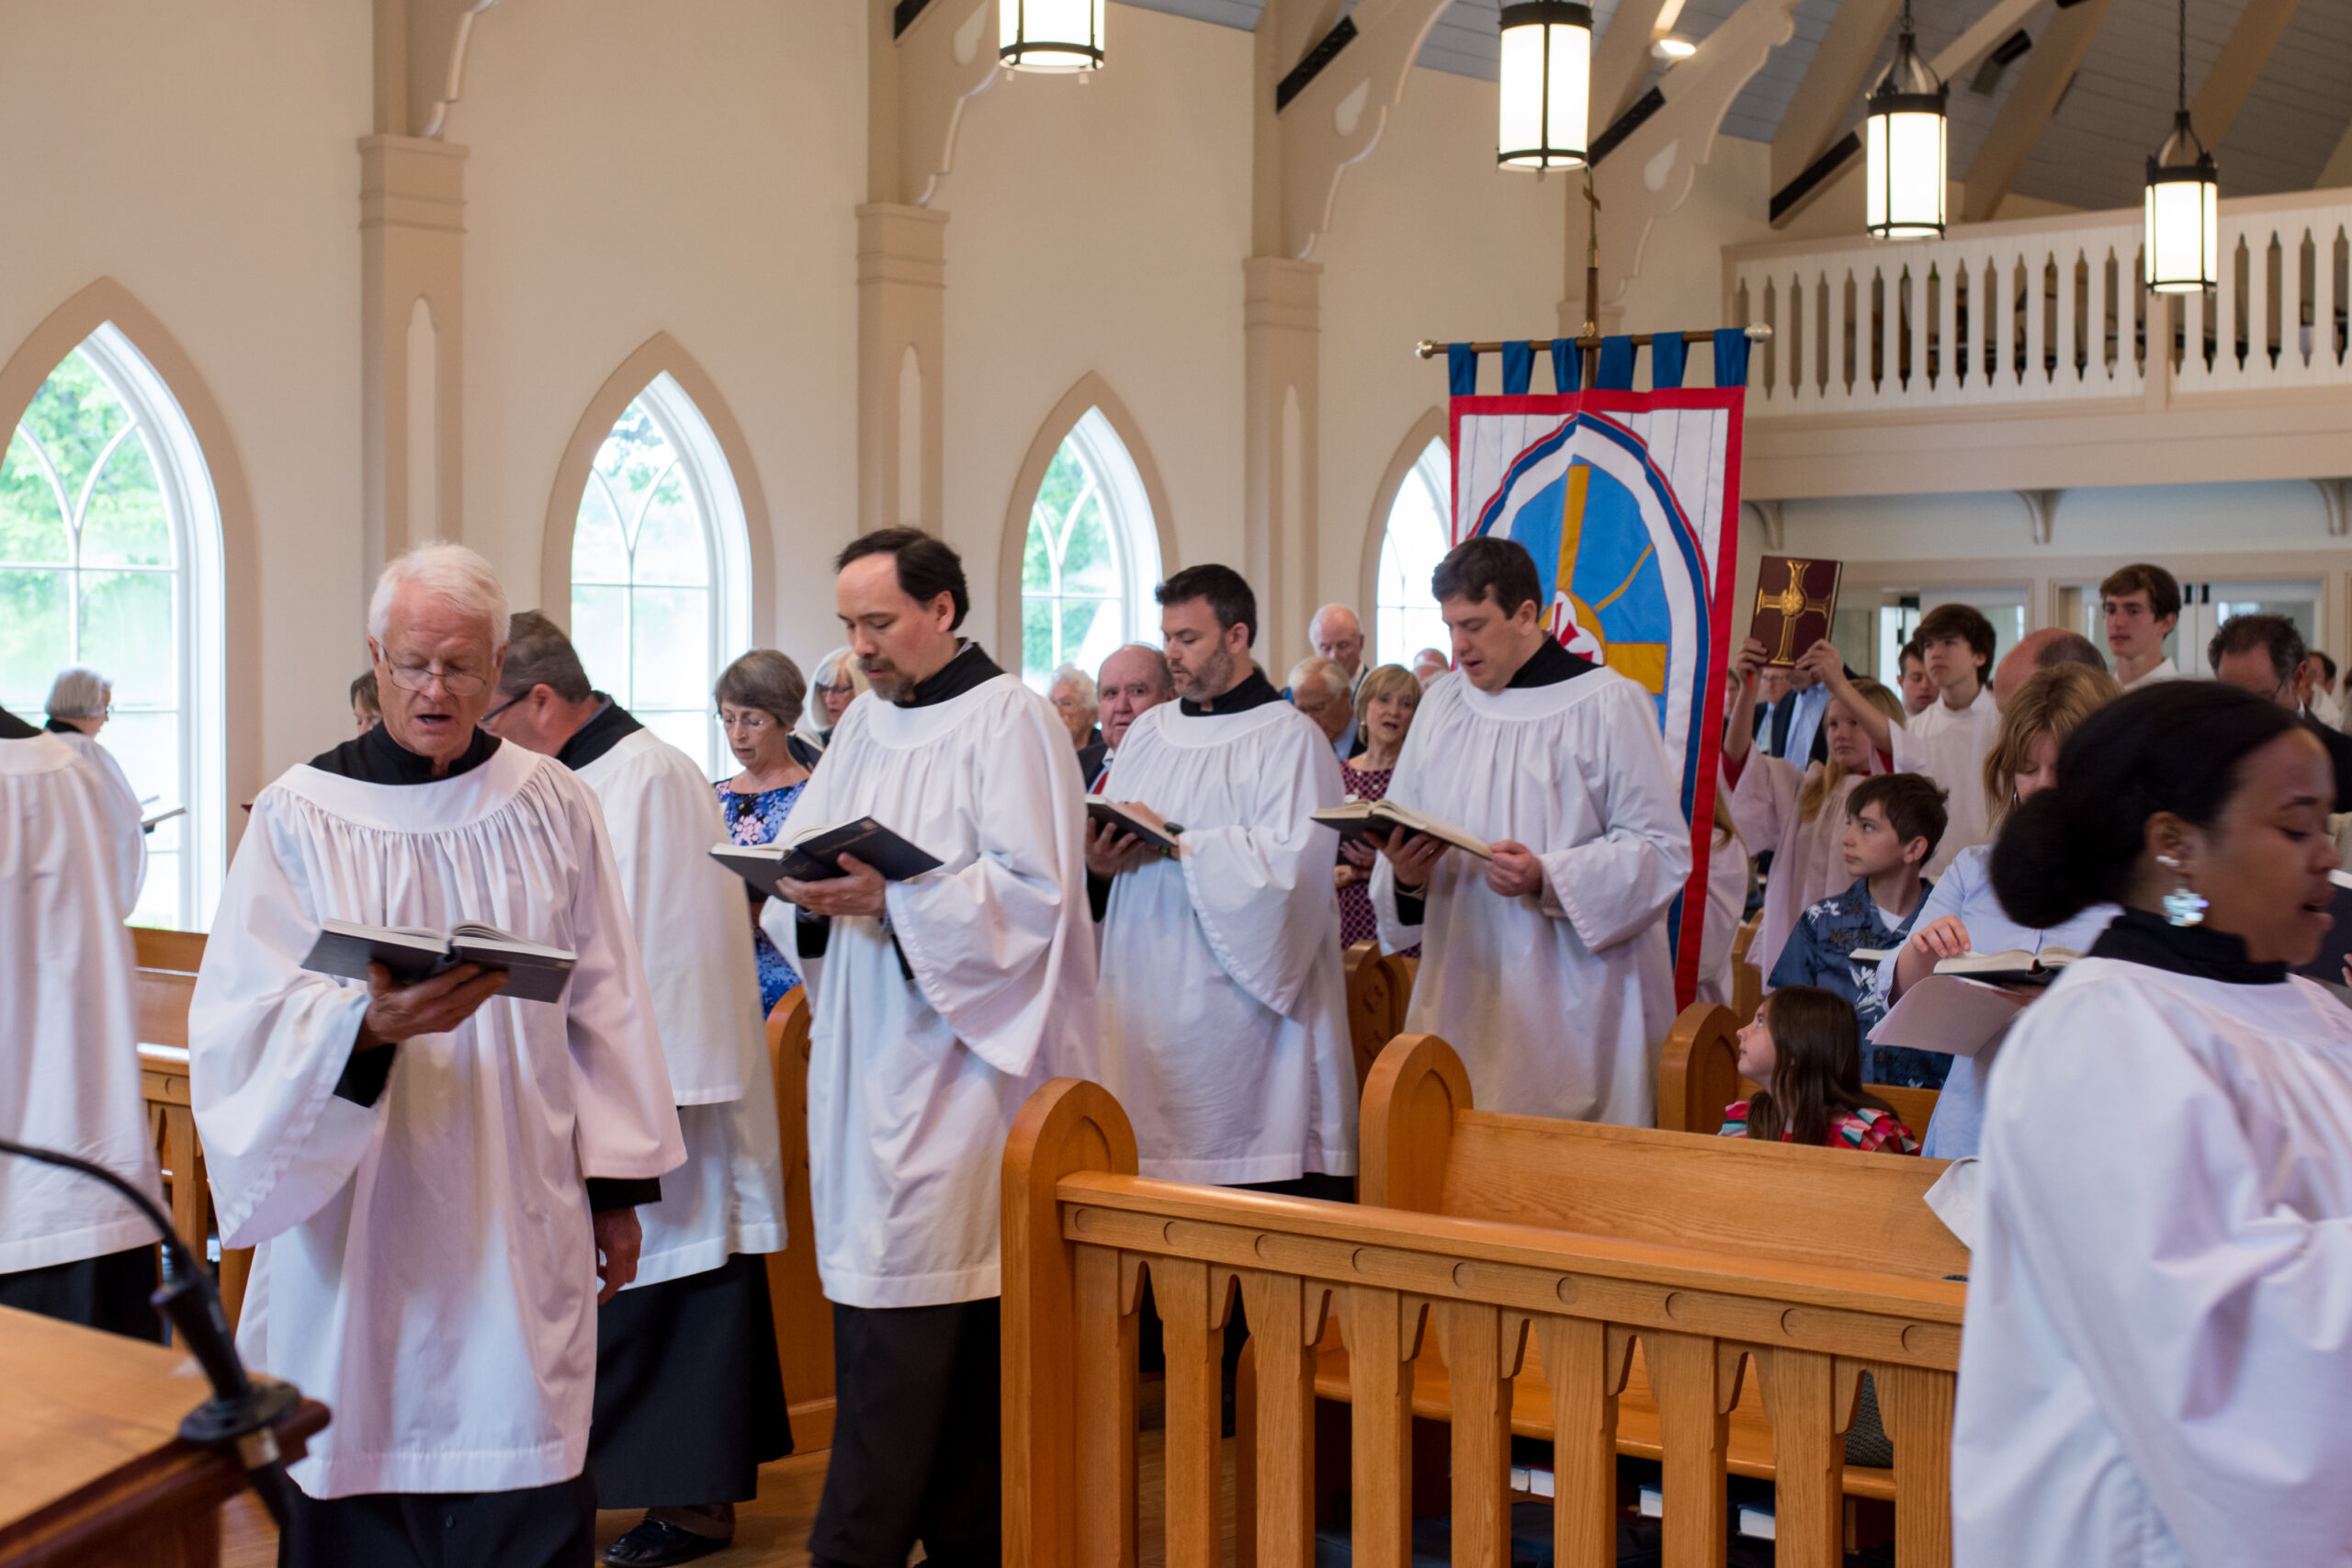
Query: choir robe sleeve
x: 279, y: 1142
x: 625, y: 1120
x: 662, y: 820
x: 1260, y: 890
x: 983, y: 939
x: 2209, y: 1321
x: 1763, y: 801
x: 1618, y: 885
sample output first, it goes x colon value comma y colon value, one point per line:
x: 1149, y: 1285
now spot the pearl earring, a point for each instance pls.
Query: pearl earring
x: 2183, y: 905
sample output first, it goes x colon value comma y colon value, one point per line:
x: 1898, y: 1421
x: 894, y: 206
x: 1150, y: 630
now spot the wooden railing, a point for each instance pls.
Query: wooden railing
x: 1081, y: 1230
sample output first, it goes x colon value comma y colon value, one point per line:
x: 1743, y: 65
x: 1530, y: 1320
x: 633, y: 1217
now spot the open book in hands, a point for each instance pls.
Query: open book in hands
x: 534, y: 973
x: 1951, y: 1013
x: 2011, y: 965
x: 813, y: 854
x: 1376, y: 819
x: 1102, y: 813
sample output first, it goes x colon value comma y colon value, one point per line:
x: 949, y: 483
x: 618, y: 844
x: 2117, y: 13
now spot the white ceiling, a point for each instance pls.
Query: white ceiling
x: 2094, y: 153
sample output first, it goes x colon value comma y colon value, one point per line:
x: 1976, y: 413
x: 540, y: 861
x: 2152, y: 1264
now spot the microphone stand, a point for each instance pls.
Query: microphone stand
x: 241, y: 1414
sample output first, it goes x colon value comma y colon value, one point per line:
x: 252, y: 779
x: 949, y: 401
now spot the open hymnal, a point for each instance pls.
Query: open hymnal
x: 1104, y: 813
x: 534, y: 973
x: 1950, y: 1013
x: 813, y: 854
x: 1378, y: 818
x: 2011, y: 965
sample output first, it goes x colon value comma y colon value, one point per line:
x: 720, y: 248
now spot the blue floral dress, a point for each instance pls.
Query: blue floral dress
x: 757, y: 820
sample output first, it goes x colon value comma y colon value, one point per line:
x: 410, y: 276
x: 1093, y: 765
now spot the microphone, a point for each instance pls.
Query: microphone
x: 241, y: 1416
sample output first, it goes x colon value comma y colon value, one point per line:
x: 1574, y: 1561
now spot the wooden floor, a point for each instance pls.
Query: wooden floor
x: 772, y: 1532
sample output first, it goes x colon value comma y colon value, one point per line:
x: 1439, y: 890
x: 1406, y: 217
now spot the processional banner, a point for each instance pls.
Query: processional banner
x: 1629, y: 501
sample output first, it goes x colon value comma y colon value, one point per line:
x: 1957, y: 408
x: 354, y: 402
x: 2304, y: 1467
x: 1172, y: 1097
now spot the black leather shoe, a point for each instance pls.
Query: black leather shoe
x: 653, y: 1544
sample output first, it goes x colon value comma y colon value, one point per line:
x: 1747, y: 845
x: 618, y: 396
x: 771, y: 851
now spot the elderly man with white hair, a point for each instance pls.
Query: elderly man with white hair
x: 1319, y: 688
x: 434, y: 1175
x: 1337, y: 634
x: 1135, y: 679
x: 80, y: 702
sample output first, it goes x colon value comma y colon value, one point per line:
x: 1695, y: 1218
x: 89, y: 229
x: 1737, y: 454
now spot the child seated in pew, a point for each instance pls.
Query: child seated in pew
x: 1893, y: 822
x: 1804, y: 1047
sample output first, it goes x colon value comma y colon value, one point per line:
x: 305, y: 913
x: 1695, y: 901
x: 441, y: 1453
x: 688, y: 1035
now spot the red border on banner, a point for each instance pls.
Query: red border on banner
x: 1734, y: 402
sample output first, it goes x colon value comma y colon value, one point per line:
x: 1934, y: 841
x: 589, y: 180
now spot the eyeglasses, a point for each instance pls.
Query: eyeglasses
x: 420, y: 677
x: 754, y: 722
x: 501, y: 707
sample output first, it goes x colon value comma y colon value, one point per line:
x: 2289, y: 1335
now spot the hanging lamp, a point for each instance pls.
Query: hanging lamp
x: 1057, y: 37
x: 1546, y: 84
x: 2183, y: 245
x: 1904, y: 143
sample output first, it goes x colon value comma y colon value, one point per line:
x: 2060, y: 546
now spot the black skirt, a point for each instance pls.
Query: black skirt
x: 110, y: 1291
x: 689, y: 1395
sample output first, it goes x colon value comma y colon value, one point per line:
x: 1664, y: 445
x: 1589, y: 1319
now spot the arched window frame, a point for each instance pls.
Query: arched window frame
x: 209, y: 506
x: 1142, y: 523
x: 1413, y: 463
x: 1111, y: 476
x: 693, y: 414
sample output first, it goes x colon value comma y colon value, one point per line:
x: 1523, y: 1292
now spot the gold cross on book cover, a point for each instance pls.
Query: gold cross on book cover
x: 1795, y: 601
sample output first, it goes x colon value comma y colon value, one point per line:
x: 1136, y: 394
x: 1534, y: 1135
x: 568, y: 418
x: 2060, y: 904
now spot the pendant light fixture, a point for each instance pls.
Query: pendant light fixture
x: 1904, y: 142
x: 1546, y: 84
x: 2183, y: 245
x: 1057, y: 37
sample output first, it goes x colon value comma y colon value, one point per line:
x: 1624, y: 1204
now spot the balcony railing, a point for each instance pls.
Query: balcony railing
x: 2047, y: 310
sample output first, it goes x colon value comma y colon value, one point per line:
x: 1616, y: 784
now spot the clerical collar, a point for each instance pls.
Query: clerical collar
x: 971, y: 668
x: 1548, y: 666
x: 611, y: 724
x: 2141, y: 936
x: 1254, y: 691
x: 15, y: 728
x: 61, y: 726
x: 375, y: 757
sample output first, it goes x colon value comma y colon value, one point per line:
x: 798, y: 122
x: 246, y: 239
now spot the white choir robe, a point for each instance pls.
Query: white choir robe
x: 914, y: 1084
x: 2153, y: 1368
x: 1948, y: 745
x: 1556, y: 1002
x: 688, y: 912
x: 123, y: 813
x: 69, y: 1030
x: 425, y: 1265
x: 1808, y: 853
x: 1726, y: 908
x: 1224, y: 997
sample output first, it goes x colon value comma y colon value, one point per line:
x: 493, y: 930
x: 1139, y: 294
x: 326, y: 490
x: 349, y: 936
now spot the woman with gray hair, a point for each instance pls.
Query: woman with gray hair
x: 837, y: 683
x: 80, y: 702
x: 760, y: 698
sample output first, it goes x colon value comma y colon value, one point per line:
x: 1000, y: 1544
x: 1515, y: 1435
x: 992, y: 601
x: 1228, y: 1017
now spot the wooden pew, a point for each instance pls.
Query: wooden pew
x: 1698, y: 1074
x: 1746, y: 979
x: 1675, y: 1265
x: 1378, y: 988
x: 162, y: 987
x: 804, y: 1318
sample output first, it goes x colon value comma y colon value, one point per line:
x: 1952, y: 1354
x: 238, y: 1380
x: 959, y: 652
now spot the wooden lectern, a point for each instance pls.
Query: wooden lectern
x: 93, y: 1470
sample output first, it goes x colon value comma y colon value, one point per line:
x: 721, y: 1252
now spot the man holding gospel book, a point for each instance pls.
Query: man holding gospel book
x: 949, y: 999
x: 689, y: 1395
x: 1223, y: 1000
x: 434, y: 1175
x: 1546, y: 967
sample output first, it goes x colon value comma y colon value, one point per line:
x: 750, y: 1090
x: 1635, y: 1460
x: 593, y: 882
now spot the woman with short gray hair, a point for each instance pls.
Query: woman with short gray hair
x: 80, y: 702
x: 759, y: 698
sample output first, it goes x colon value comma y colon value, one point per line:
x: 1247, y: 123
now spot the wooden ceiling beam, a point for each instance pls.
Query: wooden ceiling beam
x: 1838, y: 77
x: 1621, y: 61
x: 2223, y: 92
x: 2025, y: 115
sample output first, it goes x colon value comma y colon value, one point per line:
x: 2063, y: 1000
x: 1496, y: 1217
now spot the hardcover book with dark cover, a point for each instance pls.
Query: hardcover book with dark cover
x: 1796, y: 600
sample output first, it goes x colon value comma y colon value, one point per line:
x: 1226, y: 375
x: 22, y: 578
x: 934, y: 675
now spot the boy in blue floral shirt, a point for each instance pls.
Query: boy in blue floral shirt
x: 1893, y: 823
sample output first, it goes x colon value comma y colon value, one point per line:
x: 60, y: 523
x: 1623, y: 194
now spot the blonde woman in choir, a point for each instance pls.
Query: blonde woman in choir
x: 836, y: 683
x: 2153, y: 1368
x: 1798, y: 815
x: 1386, y: 699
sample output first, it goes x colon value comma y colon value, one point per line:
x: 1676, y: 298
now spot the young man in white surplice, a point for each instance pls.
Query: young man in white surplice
x: 949, y: 999
x: 434, y: 1175
x: 69, y: 1247
x: 689, y: 1395
x: 1224, y: 1002
x: 1547, y: 966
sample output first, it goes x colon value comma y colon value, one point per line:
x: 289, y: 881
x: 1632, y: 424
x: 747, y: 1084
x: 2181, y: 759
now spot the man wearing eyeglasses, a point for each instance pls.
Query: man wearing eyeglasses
x: 434, y: 1176
x: 2265, y: 655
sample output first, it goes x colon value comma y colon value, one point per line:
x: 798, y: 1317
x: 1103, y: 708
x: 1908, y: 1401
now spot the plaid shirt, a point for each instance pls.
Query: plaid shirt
x: 1820, y: 952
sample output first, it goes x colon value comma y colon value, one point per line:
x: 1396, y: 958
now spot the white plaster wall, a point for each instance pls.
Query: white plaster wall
x: 1428, y: 240
x: 205, y: 157
x: 694, y: 169
x: 1101, y: 225
x: 2129, y: 523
